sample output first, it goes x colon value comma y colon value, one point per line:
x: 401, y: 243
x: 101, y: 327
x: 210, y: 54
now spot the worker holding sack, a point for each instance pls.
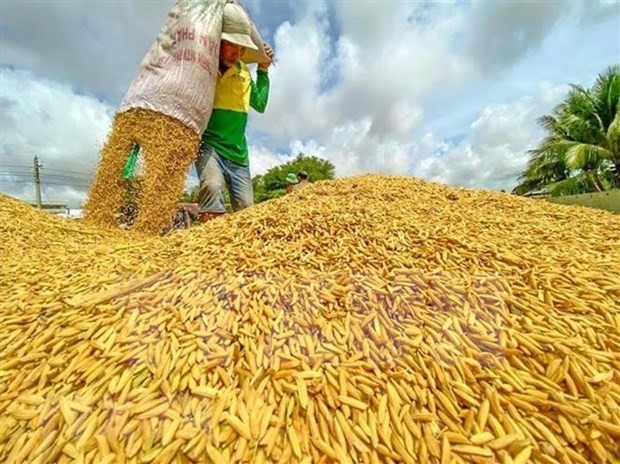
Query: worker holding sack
x: 169, y: 104
x: 223, y: 160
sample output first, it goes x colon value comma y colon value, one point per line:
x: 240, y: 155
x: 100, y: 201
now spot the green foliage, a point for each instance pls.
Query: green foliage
x: 273, y: 184
x: 191, y: 195
x: 581, y: 152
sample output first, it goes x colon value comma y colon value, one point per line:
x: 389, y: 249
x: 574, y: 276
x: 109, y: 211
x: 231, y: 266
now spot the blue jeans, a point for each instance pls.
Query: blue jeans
x: 216, y: 172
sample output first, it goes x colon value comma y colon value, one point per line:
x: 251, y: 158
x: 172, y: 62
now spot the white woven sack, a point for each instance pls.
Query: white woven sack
x: 177, y: 76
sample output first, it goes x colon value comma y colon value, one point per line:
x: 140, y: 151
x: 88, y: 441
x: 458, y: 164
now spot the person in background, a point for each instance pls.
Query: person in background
x: 302, y: 180
x: 291, y: 181
x: 223, y: 160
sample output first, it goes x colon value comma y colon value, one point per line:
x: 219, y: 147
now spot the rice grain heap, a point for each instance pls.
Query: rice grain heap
x: 369, y: 319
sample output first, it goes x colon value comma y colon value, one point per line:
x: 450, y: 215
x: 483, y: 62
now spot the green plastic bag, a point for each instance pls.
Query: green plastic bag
x: 130, y: 165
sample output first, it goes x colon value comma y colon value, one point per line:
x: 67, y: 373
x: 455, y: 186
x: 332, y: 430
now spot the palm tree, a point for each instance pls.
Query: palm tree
x: 581, y: 152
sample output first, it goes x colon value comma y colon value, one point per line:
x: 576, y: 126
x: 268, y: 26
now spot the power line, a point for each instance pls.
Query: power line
x: 64, y: 184
x: 28, y: 176
x: 65, y: 177
x: 45, y: 175
x: 16, y: 174
x: 46, y: 182
x: 44, y: 169
x: 20, y: 168
x: 15, y: 165
x: 77, y: 186
x: 58, y: 182
x: 65, y: 170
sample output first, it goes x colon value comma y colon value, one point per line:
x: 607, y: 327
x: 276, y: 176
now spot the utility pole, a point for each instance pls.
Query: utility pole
x: 37, y: 181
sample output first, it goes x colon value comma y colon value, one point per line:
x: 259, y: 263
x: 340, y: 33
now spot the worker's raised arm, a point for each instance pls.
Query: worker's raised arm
x: 260, y: 91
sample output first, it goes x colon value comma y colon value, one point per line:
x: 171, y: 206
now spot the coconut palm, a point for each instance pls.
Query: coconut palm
x: 581, y: 152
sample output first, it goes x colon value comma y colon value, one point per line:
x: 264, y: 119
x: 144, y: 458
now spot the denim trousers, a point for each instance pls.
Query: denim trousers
x: 216, y: 173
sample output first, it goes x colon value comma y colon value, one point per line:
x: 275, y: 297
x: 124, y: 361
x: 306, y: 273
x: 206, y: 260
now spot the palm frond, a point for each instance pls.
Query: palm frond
x: 544, y: 166
x: 613, y: 137
x: 552, y: 126
x: 583, y: 138
x: 606, y: 93
x: 580, y: 116
x: 585, y: 156
x: 580, y: 183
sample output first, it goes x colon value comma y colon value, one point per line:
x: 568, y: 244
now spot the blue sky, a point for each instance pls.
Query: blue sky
x: 448, y: 91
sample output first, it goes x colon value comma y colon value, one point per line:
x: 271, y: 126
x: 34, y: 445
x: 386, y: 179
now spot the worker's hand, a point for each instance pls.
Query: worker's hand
x: 269, y: 52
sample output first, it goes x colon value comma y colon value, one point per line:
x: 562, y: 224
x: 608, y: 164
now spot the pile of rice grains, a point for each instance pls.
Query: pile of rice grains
x: 368, y: 319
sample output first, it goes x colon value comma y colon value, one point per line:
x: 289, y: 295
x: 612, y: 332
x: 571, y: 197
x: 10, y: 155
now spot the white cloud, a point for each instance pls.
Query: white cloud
x: 375, y: 84
x: 389, y: 62
x: 408, y: 87
x: 89, y: 45
x: 295, y: 105
x: 600, y: 10
x: 370, y: 75
x: 394, y: 61
x: 350, y: 147
x: 263, y: 159
x: 505, y: 31
x: 495, y: 152
x: 64, y: 129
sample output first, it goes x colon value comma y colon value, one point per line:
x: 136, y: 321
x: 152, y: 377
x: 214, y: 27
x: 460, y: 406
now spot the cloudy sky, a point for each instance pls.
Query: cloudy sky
x: 444, y: 90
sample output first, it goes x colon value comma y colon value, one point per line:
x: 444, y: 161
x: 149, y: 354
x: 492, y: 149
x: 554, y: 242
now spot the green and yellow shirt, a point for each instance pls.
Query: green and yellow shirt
x: 235, y: 93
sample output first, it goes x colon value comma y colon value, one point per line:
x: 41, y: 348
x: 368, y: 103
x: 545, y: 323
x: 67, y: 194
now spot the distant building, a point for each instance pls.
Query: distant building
x: 72, y: 214
x: 54, y: 208
x: 536, y: 194
x: 60, y: 209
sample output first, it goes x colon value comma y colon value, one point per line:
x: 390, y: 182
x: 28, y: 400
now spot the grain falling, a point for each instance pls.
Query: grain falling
x: 168, y: 148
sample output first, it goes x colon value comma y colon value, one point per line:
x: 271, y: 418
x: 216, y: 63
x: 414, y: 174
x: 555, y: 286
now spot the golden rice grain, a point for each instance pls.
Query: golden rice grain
x: 444, y: 332
x: 168, y: 147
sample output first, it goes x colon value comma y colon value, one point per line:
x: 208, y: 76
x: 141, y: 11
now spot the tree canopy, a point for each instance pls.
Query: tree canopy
x: 273, y: 182
x: 581, y: 151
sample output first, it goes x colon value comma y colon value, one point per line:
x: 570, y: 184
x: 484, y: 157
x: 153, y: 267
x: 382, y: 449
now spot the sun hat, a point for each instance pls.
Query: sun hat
x: 236, y: 27
x: 291, y: 178
x: 302, y: 174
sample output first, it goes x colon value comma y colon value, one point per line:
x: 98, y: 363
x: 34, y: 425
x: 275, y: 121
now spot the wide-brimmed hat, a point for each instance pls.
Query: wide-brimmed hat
x: 236, y: 26
x: 302, y: 174
x: 291, y: 178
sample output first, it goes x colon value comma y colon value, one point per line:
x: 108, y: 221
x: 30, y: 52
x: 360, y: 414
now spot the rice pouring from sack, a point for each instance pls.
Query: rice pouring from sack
x: 164, y: 112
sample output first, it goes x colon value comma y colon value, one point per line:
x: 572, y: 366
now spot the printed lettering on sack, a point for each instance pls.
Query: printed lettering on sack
x: 178, y: 74
x: 208, y: 46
